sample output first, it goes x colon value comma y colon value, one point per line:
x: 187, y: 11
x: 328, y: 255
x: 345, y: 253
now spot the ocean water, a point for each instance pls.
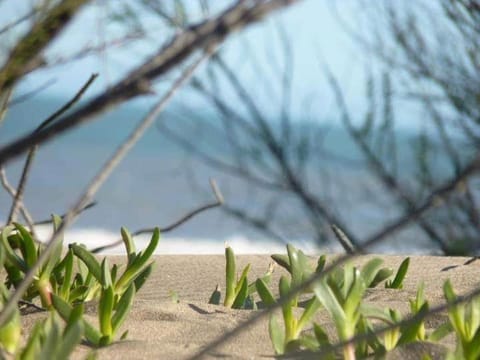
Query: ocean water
x: 157, y: 183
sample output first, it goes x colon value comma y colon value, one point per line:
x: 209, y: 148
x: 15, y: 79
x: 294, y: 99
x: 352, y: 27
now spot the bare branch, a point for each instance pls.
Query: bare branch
x: 206, y: 34
x: 49, y: 221
x: 13, y: 193
x: 219, y: 202
x: 31, y: 154
x: 378, y: 168
x: 343, y: 239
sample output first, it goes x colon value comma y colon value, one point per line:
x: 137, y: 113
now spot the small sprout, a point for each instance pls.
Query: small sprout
x: 216, y: 296
x: 397, y: 282
x: 236, y: 292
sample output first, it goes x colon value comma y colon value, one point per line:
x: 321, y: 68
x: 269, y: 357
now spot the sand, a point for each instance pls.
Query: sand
x: 160, y: 328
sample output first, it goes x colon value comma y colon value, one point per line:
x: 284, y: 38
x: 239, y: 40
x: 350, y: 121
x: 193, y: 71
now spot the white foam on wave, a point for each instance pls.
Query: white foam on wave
x: 171, y: 245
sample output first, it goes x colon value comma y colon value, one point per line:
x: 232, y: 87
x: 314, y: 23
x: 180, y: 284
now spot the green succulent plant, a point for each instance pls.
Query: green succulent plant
x: 117, y: 290
x: 239, y: 294
x: 465, y: 322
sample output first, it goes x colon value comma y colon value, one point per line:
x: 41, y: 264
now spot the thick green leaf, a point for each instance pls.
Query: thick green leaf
x: 242, y: 294
x: 138, y: 265
x: 328, y: 299
x: 397, y: 282
x: 321, y: 263
x: 28, y: 247
x: 310, y: 309
x: 56, y: 253
x: 320, y: 335
x: 70, y: 339
x: 230, y: 270
x: 148, y: 252
x: 355, y: 294
x: 411, y: 331
x: 106, y: 276
x: 382, y: 275
x: 129, y: 243
x: 10, y: 333
x: 10, y: 255
x: 67, y: 279
x: 457, y: 312
x: 123, y: 307
x: 89, y: 260
x: 77, y: 293
x: 52, y: 337
x: 370, y: 270
x: 264, y: 292
x: 296, y: 265
x: 440, y: 332
x: 276, y: 335
x: 64, y: 310
x: 32, y: 348
x: 105, y: 310
x: 240, y: 281
x: 283, y: 261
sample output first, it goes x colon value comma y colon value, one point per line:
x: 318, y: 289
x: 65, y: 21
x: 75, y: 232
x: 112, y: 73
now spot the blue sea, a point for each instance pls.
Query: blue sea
x: 158, y: 182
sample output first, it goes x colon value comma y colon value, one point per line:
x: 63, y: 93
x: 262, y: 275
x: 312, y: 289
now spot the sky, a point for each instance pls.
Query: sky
x: 315, y: 36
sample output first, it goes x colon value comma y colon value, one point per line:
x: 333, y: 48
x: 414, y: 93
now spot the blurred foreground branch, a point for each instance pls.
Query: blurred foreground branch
x: 138, y: 82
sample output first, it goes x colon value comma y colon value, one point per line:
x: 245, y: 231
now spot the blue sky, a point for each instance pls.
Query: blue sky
x: 313, y: 31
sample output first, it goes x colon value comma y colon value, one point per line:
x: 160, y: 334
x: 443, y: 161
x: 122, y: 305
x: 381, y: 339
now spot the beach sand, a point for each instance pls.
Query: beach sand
x: 160, y: 328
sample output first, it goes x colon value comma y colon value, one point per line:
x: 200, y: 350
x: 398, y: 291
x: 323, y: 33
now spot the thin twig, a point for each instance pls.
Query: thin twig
x: 49, y: 221
x: 379, y: 170
x: 17, y: 21
x: 343, y: 239
x: 31, y: 304
x: 219, y: 201
x: 200, y: 36
x: 33, y: 150
x: 95, y: 185
x: 4, y: 99
x: 432, y: 200
x: 25, y: 213
x: 30, y: 94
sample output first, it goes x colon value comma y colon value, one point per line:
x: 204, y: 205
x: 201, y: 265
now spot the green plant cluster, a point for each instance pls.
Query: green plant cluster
x: 340, y: 293
x: 239, y: 293
x: 69, y: 278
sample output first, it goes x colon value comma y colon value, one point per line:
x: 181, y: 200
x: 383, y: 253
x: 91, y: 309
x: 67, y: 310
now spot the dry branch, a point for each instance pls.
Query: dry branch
x: 33, y: 150
x: 204, y: 35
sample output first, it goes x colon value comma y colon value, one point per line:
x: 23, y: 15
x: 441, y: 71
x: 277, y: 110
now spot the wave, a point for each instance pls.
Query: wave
x: 171, y: 245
